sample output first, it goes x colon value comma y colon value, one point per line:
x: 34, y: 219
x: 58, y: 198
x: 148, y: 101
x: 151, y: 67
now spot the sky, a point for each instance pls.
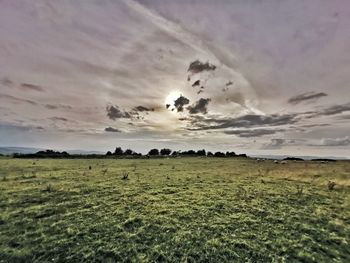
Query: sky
x: 250, y: 76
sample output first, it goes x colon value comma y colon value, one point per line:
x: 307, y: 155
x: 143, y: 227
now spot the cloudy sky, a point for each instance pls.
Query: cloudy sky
x: 256, y: 77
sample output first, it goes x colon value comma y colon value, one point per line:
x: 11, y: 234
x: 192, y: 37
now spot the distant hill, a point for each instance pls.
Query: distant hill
x: 280, y: 157
x: 24, y: 150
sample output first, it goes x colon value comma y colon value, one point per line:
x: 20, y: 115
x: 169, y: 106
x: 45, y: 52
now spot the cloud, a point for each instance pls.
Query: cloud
x: 253, y: 132
x: 199, y: 107
x: 32, y: 87
x: 6, y: 82
x: 198, y: 66
x: 342, y: 141
x: 306, y: 97
x: 278, y: 143
x: 59, y: 119
x: 275, y: 143
x: 245, y: 121
x: 315, y: 125
x: 111, y: 129
x: 57, y: 106
x: 180, y: 102
x: 22, y: 127
x: 196, y: 83
x: 333, y: 110
x: 113, y: 112
x: 17, y: 100
x: 142, y: 109
x: 229, y: 83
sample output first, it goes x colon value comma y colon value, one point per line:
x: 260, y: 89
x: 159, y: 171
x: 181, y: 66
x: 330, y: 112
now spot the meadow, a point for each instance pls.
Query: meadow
x: 174, y: 210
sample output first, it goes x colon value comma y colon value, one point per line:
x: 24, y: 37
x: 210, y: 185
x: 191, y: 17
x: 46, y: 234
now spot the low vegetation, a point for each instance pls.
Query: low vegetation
x: 174, y: 210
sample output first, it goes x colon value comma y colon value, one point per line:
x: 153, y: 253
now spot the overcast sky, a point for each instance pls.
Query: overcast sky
x: 251, y: 76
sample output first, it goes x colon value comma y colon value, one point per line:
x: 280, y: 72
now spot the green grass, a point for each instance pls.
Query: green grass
x: 173, y: 210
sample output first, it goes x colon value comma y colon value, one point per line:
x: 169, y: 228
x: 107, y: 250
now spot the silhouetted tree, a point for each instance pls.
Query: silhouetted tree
x: 109, y: 153
x: 175, y: 153
x: 128, y: 152
x: 230, y: 154
x: 118, y: 151
x: 210, y: 154
x: 165, y: 151
x: 219, y: 154
x: 153, y: 152
x: 201, y: 152
x: 188, y: 153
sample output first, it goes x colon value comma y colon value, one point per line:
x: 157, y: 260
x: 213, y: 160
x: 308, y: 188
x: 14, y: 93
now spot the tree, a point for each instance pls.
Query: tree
x: 109, y: 153
x: 175, y: 153
x: 219, y: 154
x: 210, y: 154
x: 165, y: 151
x: 153, y: 152
x: 128, y: 152
x: 188, y: 153
x: 118, y: 151
x: 201, y: 152
x: 230, y: 154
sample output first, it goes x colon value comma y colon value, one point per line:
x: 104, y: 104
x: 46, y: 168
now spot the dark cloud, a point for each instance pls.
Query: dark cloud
x: 315, y: 125
x: 253, y: 133
x: 196, y: 83
x: 142, y: 108
x: 180, y: 102
x: 332, y: 110
x: 229, y: 83
x: 59, y: 119
x: 199, y: 106
x: 337, y: 109
x: 113, y: 112
x: 17, y: 100
x: 111, y: 129
x: 346, y: 117
x: 6, y: 82
x: 32, y: 87
x: 245, y: 121
x: 306, y: 96
x: 198, y: 66
x: 57, y: 106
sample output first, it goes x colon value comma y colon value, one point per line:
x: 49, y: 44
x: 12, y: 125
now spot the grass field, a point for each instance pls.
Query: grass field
x: 174, y: 210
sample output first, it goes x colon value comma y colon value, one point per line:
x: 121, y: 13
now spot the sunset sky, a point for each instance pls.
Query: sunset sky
x: 250, y: 76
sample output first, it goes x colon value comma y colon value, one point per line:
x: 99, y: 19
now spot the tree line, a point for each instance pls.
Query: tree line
x: 128, y: 153
x: 168, y: 152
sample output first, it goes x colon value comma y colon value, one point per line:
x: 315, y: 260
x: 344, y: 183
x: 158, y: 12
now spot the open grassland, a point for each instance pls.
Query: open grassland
x: 174, y: 210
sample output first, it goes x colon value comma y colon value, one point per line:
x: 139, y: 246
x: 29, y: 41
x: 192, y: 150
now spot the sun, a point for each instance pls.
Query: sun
x: 170, y: 99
